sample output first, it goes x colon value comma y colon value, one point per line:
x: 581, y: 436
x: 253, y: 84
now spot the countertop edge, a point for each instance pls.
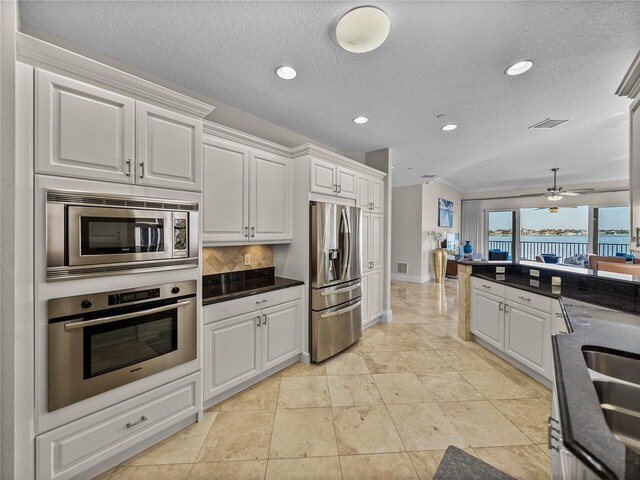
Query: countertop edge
x: 250, y: 292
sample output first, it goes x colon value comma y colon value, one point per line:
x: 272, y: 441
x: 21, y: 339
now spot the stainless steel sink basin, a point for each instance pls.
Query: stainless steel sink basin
x: 618, y: 396
x: 625, y: 427
x: 613, y: 364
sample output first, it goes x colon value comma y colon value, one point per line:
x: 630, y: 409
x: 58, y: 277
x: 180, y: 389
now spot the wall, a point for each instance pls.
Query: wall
x: 231, y: 259
x: 406, y: 230
x: 431, y: 192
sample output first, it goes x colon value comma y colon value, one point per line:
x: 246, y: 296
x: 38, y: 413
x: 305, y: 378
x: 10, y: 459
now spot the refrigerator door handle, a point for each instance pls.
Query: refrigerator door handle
x: 345, y: 230
x: 340, y: 312
x: 326, y: 293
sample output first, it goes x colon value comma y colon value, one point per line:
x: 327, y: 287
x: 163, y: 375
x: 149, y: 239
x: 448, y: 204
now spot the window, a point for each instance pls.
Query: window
x: 611, y: 230
x: 501, y: 237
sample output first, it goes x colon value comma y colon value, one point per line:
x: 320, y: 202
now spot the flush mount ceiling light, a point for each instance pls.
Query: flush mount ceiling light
x: 286, y: 72
x: 449, y: 127
x: 360, y: 120
x: 519, y: 68
x: 363, y: 29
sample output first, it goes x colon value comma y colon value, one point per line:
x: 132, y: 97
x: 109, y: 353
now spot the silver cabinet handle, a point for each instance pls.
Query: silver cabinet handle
x: 506, y: 308
x: 246, y: 231
x: 340, y: 290
x: 549, y: 433
x: 131, y: 425
x: 340, y: 312
x: 339, y: 188
x: 141, y: 169
x: 128, y: 171
x: 264, y: 319
x: 486, y: 286
x: 253, y: 231
x: 258, y: 324
x: 124, y: 316
x: 525, y: 299
x: 262, y: 301
x: 335, y: 187
x: 500, y: 307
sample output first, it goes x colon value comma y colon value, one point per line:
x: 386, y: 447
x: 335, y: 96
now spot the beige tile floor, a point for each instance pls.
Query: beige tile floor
x: 386, y: 408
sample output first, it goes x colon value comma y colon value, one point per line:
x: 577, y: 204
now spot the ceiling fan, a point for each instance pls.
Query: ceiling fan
x: 552, y: 209
x: 556, y: 193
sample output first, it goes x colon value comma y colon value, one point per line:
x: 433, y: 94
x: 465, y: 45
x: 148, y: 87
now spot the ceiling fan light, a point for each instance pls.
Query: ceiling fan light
x: 554, y: 197
x: 553, y: 210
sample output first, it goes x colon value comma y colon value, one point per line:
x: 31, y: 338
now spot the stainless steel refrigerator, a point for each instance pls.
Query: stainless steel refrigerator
x: 336, y: 273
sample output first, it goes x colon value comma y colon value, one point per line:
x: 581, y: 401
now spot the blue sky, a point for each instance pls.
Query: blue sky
x: 610, y: 218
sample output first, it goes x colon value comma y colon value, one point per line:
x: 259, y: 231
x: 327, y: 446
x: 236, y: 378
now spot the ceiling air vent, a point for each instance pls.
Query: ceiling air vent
x: 401, y: 267
x: 549, y: 123
x: 429, y: 177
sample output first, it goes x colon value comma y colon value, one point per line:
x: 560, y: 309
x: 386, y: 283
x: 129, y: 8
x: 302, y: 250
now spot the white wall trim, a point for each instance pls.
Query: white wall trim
x: 220, y: 131
x: 387, y: 317
x: 45, y: 55
x: 400, y: 277
x: 630, y: 85
x: 450, y: 185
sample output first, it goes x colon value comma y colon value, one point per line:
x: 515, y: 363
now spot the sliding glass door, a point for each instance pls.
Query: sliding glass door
x: 502, y: 231
x: 611, y: 230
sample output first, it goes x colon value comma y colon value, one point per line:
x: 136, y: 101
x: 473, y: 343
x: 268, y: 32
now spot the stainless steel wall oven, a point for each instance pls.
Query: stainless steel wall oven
x: 102, y: 341
x: 90, y: 234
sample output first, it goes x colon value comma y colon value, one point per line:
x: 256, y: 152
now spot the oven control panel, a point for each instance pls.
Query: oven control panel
x: 119, y: 298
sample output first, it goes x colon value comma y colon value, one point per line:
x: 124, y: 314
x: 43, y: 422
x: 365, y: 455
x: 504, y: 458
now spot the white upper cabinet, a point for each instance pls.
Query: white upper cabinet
x: 370, y: 193
x: 83, y: 131
x: 225, y: 205
x: 169, y: 148
x: 346, y: 182
x: 270, y: 197
x: 247, y: 194
x: 331, y: 179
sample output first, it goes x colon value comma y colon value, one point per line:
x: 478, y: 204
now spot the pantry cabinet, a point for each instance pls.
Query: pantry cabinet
x: 372, y: 241
x: 247, y: 194
x: 83, y: 131
x: 331, y: 179
x: 248, y: 336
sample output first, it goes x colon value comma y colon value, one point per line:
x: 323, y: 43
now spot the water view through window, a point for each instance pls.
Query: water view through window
x: 563, y: 234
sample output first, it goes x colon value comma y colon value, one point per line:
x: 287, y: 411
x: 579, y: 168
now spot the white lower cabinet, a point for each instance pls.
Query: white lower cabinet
x: 516, y: 322
x: 241, y: 347
x: 75, y: 448
x: 372, y: 293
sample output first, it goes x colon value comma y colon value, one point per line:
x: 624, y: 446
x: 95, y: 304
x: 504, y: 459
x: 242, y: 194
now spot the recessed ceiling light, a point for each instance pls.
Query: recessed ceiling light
x: 450, y: 126
x: 363, y: 29
x: 286, y: 73
x: 360, y: 120
x: 519, y: 68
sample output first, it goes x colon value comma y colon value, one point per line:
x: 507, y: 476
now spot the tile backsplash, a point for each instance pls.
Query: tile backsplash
x: 231, y: 259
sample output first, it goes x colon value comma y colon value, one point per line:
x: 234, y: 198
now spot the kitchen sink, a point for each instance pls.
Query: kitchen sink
x: 625, y: 427
x: 614, y: 364
x: 615, y: 395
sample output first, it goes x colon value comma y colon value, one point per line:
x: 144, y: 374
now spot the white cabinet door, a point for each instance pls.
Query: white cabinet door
x: 323, y: 177
x: 232, y: 352
x: 365, y: 243
x: 527, y: 334
x: 375, y: 294
x: 487, y: 317
x: 225, y: 191
x: 377, y: 194
x: 376, y: 242
x: 169, y: 149
x: 280, y: 330
x: 364, y: 185
x: 270, y: 197
x: 346, y: 180
x: 365, y: 299
x: 83, y: 131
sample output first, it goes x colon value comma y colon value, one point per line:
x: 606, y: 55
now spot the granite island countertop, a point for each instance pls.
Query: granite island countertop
x: 230, y: 286
x: 585, y: 431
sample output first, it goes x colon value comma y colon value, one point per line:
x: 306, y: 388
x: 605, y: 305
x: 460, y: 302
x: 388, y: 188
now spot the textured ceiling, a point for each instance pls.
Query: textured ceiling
x: 441, y: 57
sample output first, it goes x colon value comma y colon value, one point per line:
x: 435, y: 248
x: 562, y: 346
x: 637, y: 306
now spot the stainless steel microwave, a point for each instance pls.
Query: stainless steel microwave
x: 92, y: 235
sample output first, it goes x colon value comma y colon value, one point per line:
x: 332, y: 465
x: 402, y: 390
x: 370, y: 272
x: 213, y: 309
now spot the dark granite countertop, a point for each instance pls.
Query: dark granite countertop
x: 230, y: 286
x: 585, y: 431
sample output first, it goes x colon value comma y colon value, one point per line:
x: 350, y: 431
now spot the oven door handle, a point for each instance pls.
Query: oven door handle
x: 124, y: 316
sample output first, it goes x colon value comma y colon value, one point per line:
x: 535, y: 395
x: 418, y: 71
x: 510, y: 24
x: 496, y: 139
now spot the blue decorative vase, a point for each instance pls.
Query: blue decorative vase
x: 468, y: 248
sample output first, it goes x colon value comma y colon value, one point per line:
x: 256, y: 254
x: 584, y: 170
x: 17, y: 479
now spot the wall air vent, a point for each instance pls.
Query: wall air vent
x: 401, y: 267
x: 549, y: 123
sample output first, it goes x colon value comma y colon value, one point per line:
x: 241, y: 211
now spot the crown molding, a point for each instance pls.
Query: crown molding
x: 630, y: 85
x: 448, y: 184
x: 324, y: 154
x: 246, y: 139
x: 45, y: 55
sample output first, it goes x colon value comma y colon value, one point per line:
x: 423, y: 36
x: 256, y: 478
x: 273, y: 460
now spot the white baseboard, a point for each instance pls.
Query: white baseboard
x: 305, y: 358
x: 371, y: 323
x: 400, y: 277
x: 387, y: 317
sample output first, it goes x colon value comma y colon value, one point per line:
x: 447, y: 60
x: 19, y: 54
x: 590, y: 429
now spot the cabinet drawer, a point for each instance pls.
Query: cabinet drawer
x: 70, y: 450
x: 241, y: 306
x: 539, y: 302
x: 487, y: 286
